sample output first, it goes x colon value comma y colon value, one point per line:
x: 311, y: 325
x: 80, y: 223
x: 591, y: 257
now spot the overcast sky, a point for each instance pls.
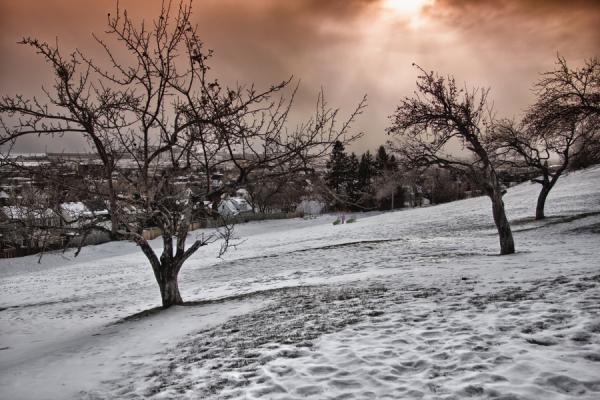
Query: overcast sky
x: 348, y: 47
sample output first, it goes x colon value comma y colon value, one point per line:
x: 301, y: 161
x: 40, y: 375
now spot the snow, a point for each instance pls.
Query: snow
x: 18, y: 212
x: 410, y: 304
x: 75, y: 208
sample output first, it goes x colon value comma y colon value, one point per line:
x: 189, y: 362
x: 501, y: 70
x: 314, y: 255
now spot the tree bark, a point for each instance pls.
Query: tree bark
x: 169, y: 288
x: 166, y: 270
x: 541, y: 202
x: 507, y: 244
x: 548, y: 182
x: 112, y: 198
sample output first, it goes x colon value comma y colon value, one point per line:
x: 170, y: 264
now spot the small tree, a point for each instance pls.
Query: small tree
x: 389, y: 193
x: 337, y: 168
x: 152, y: 114
x: 336, y: 177
x: 440, y: 186
x: 382, y: 160
x: 366, y: 169
x: 269, y: 191
x: 439, y: 115
x: 365, y: 176
x: 354, y: 191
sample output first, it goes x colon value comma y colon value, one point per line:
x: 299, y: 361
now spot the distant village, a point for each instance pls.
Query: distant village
x: 215, y: 195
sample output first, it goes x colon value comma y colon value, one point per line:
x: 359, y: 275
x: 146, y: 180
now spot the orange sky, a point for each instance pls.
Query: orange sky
x: 349, y: 47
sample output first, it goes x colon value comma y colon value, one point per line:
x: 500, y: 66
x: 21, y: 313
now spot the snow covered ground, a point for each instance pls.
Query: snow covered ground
x: 410, y: 304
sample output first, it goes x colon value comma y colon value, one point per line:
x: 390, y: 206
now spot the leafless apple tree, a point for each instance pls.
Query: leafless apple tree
x: 151, y: 112
x: 440, y: 115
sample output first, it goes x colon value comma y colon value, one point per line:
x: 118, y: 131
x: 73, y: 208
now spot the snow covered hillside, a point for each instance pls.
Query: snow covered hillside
x: 410, y: 304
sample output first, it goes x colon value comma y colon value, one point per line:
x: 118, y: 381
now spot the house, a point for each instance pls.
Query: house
x: 30, y: 216
x: 4, y: 197
x: 25, y: 230
x: 76, y: 213
x: 234, y: 206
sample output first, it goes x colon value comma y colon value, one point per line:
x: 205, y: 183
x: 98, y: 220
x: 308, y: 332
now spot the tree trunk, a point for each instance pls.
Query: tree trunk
x: 507, y: 244
x: 169, y: 289
x: 169, y: 271
x: 541, y: 202
x: 114, y: 220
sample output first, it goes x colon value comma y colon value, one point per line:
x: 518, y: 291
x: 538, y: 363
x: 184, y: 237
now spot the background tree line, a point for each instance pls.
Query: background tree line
x: 380, y: 182
x: 361, y: 184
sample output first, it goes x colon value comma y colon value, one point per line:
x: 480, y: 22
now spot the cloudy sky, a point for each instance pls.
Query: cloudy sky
x: 348, y: 47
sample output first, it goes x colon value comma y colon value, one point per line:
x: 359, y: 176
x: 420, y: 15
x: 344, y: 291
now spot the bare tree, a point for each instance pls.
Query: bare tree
x: 565, y: 95
x: 518, y: 145
x: 388, y: 190
x: 270, y: 191
x: 152, y: 114
x: 439, y: 115
x: 562, y: 124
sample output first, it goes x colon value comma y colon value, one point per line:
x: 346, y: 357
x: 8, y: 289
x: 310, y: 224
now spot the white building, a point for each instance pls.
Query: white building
x: 234, y: 206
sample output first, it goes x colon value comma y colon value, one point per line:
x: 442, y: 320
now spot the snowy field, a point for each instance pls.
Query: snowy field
x: 405, y: 305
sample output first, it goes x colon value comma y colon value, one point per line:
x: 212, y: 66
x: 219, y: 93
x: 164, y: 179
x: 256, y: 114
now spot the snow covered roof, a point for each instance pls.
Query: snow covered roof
x: 78, y: 209
x: 19, y: 212
x: 234, y: 206
x: 238, y: 201
x: 32, y: 163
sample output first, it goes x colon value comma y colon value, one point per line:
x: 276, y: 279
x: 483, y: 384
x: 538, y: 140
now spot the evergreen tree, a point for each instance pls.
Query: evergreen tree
x: 382, y: 160
x: 353, y: 189
x: 337, y: 168
x: 393, y: 163
x: 341, y: 175
x: 366, y: 170
x: 366, y: 173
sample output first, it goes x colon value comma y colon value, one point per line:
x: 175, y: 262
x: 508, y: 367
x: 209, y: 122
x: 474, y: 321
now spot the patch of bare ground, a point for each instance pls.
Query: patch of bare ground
x: 284, y: 329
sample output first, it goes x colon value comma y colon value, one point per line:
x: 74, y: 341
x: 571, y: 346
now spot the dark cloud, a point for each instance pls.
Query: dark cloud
x: 524, y: 26
x: 350, y: 47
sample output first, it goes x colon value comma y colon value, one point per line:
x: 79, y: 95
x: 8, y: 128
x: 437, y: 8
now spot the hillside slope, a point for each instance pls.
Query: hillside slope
x: 409, y: 304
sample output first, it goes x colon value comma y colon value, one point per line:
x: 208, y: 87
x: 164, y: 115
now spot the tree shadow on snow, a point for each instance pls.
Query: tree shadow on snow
x: 551, y: 221
x: 199, y: 303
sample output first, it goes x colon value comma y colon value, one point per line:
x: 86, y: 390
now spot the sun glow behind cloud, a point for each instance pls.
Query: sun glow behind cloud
x: 410, y: 10
x: 349, y: 47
